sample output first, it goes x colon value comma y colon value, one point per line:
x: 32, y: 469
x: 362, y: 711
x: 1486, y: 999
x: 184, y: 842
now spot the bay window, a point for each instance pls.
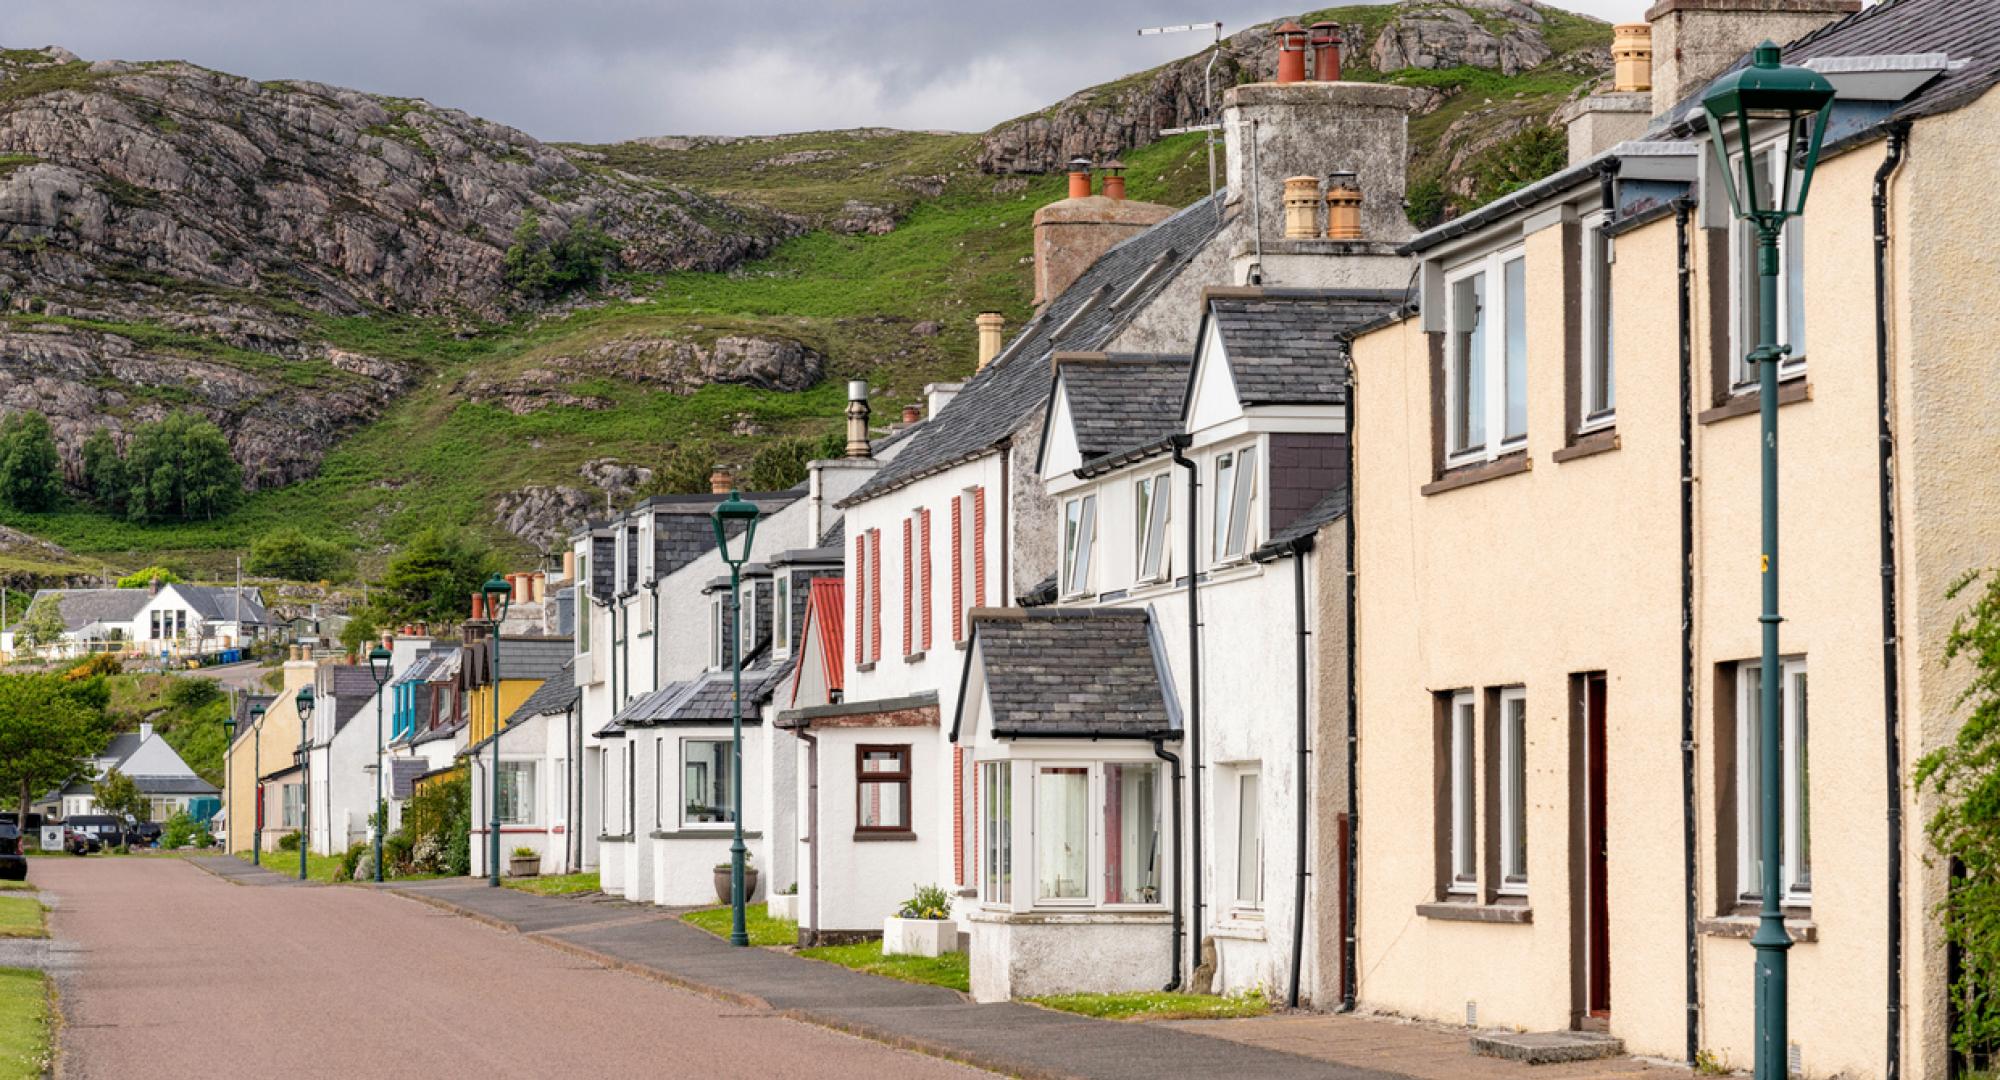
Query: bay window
x: 1746, y: 299
x: 1095, y: 832
x: 1235, y: 502
x: 1079, y: 534
x: 1480, y: 425
x: 705, y: 778
x: 996, y: 823
x: 882, y: 789
x: 1131, y: 834
x: 1153, y: 499
x: 1062, y: 833
x: 1795, y: 803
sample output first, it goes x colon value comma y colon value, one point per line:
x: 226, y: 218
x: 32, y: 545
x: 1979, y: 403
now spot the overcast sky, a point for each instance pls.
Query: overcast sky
x: 603, y: 70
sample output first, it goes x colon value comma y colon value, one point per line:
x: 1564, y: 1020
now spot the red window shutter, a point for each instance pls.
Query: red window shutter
x: 924, y: 560
x: 957, y: 570
x: 860, y: 598
x: 979, y: 547
x: 909, y: 586
x: 874, y: 594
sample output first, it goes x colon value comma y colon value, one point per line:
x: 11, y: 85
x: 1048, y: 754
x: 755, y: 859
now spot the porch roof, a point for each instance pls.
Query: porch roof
x: 1068, y: 673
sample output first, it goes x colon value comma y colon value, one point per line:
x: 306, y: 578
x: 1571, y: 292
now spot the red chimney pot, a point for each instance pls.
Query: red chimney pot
x: 1291, y: 52
x: 1079, y: 178
x: 1326, y: 51
x: 1114, y: 180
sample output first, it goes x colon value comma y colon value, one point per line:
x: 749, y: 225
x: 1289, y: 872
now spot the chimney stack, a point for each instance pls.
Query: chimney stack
x: 720, y: 482
x: 1343, y: 207
x: 1291, y: 52
x: 1326, y: 51
x: 1693, y: 41
x: 1631, y: 57
x: 1079, y: 178
x: 1302, y: 207
x: 145, y: 731
x: 990, y: 324
x: 1114, y: 179
x: 857, y: 419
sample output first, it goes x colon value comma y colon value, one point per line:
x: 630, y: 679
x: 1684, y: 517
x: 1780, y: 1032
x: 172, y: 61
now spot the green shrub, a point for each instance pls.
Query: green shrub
x: 193, y: 693
x: 525, y: 853
x: 183, y: 831
x: 288, y: 552
x: 350, y: 860
x: 437, y: 827
x: 930, y: 902
x: 288, y: 842
x: 104, y: 478
x: 144, y: 579
x: 538, y: 267
x: 429, y: 580
x: 782, y: 464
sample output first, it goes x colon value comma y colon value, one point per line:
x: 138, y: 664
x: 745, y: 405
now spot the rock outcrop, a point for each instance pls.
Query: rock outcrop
x: 671, y: 364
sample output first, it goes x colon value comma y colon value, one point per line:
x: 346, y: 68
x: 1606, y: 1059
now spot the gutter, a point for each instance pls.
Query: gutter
x: 1179, y: 932
x: 1690, y: 902
x: 1194, y: 731
x: 1891, y: 662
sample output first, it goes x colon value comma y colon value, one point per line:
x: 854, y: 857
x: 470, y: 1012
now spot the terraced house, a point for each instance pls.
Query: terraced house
x: 1556, y: 493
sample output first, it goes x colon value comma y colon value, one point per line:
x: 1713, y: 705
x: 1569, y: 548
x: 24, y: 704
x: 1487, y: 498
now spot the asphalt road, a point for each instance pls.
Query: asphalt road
x: 176, y: 973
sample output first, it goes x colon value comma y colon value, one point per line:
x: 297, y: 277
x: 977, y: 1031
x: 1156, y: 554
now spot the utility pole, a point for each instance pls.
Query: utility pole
x: 1208, y: 123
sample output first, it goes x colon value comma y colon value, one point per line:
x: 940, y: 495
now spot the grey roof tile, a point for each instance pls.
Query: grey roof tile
x: 1122, y: 401
x: 555, y: 695
x: 1058, y: 672
x: 1286, y: 347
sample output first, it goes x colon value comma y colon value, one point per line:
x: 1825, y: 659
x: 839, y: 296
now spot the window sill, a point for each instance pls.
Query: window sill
x: 1588, y: 444
x: 869, y: 666
x: 1468, y: 911
x: 1801, y: 931
x: 1239, y: 929
x: 1467, y: 475
x: 911, y: 658
x: 1746, y: 404
x: 887, y: 836
x: 620, y: 838
x: 705, y: 834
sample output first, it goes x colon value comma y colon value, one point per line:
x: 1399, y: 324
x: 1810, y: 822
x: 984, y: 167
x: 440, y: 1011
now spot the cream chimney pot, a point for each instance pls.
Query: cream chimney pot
x: 857, y: 419
x: 990, y: 324
x: 1301, y: 207
x: 1632, y: 57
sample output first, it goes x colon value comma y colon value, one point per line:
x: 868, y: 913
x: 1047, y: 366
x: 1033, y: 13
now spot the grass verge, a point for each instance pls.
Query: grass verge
x: 952, y: 970
x: 555, y: 884
x: 1156, y: 1005
x: 27, y: 1025
x: 318, y: 867
x: 763, y: 929
x: 16, y: 886
x: 22, y: 917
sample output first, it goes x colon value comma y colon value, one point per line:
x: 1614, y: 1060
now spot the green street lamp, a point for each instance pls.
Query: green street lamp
x: 736, y: 552
x: 378, y: 666
x: 499, y: 595
x: 1764, y: 96
x: 303, y: 703
x: 257, y: 784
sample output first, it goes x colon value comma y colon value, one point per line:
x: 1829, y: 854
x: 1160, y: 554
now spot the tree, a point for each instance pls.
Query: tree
x: 30, y: 471
x: 119, y: 796
x: 43, y: 625
x: 179, y: 469
x: 540, y: 268
x: 48, y: 734
x: 364, y: 625
x: 104, y: 478
x: 433, y: 578
x: 288, y: 552
x: 1965, y: 827
x: 143, y: 579
x: 782, y: 464
x: 686, y: 470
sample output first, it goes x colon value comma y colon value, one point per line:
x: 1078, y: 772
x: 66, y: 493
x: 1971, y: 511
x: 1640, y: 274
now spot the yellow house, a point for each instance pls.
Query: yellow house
x: 1556, y: 499
x: 261, y: 764
x: 524, y: 664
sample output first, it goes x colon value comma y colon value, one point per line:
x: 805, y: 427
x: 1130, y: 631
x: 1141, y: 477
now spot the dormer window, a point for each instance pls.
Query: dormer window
x: 1079, y: 535
x: 1151, y: 505
x: 1235, y: 501
x: 1487, y: 345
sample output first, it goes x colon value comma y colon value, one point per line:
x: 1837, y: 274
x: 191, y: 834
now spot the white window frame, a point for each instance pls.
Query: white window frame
x: 1093, y: 847
x: 1599, y: 255
x: 1491, y: 365
x: 559, y: 793
x: 681, y: 802
x: 1249, y: 787
x: 1462, y: 765
x: 1797, y: 780
x: 1153, y: 514
x: 1100, y: 818
x: 522, y: 816
x: 1079, y: 540
x: 1096, y: 832
x: 996, y: 838
x: 1743, y: 277
x: 716, y: 621
x: 781, y: 615
x: 1513, y: 770
x: 1232, y: 499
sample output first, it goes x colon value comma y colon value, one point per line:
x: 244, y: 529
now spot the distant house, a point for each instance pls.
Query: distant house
x: 166, y: 781
x: 175, y: 620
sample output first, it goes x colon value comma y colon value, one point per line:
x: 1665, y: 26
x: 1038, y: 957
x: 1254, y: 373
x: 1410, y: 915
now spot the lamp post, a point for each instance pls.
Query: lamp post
x: 303, y: 704
x: 257, y: 784
x: 736, y: 511
x: 378, y: 666
x: 1768, y: 94
x: 499, y: 595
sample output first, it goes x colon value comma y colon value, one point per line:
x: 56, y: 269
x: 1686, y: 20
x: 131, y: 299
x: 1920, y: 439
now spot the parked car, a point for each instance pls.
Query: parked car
x: 107, y: 830
x: 81, y: 843
x: 143, y: 834
x: 13, y: 864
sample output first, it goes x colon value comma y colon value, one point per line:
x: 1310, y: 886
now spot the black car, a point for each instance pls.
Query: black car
x: 104, y: 829
x: 81, y: 843
x: 13, y: 864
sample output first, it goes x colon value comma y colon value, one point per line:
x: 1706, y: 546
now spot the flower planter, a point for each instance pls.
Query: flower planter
x: 524, y: 866
x: 784, y: 906
x: 918, y: 937
x: 722, y: 895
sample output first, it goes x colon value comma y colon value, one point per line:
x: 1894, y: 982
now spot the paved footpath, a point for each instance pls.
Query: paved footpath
x: 173, y: 972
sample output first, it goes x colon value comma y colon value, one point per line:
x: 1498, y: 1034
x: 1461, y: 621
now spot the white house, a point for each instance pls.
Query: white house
x: 168, y: 784
x: 538, y: 788
x: 164, y: 620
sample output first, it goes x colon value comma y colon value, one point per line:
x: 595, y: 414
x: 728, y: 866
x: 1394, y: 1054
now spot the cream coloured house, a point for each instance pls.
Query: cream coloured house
x: 1556, y: 508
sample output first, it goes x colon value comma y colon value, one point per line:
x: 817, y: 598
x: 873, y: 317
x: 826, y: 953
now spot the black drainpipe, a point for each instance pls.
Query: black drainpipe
x: 653, y: 587
x: 1299, y: 548
x: 1194, y: 674
x: 1891, y: 701
x: 1683, y: 212
x: 1349, y: 978
x: 625, y: 638
x: 1174, y: 763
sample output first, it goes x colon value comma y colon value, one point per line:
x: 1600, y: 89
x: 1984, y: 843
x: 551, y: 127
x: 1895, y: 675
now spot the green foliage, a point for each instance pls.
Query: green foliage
x: 180, y: 469
x: 350, y: 861
x: 930, y: 902
x: 364, y: 626
x: 48, y: 733
x: 143, y: 579
x: 757, y: 922
x: 1517, y: 162
x: 525, y: 853
x: 193, y: 693
x: 1964, y: 830
x: 951, y: 970
x: 1158, y: 1005
x: 288, y: 842
x: 431, y: 579
x: 118, y: 795
x: 104, y: 478
x: 289, y: 552
x: 437, y: 827
x: 43, y: 625
x: 579, y: 258
x: 30, y: 471
x: 685, y: 472
x: 781, y: 464
x: 556, y: 884
x: 181, y: 831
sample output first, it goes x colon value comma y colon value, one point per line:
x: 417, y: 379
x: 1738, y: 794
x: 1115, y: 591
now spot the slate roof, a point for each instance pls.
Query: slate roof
x: 535, y: 657
x: 1323, y: 513
x: 352, y: 685
x: 1063, y: 672
x: 998, y: 399
x: 442, y: 731
x: 217, y: 602
x: 147, y: 785
x: 1286, y: 346
x: 553, y: 696
x: 122, y: 746
x: 81, y: 607
x: 704, y: 699
x: 420, y: 667
x: 1123, y: 400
